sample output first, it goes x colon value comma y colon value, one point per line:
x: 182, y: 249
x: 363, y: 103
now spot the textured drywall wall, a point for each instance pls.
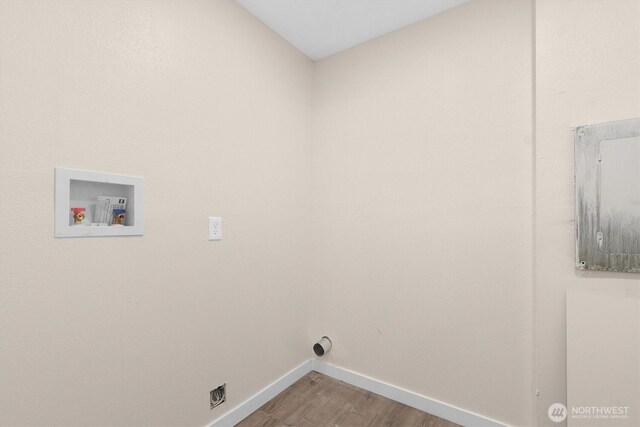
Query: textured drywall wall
x: 213, y: 110
x: 603, y: 359
x: 422, y: 211
x: 587, y: 71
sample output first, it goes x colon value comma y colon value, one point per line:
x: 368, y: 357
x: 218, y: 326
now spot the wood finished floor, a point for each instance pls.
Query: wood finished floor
x: 318, y: 400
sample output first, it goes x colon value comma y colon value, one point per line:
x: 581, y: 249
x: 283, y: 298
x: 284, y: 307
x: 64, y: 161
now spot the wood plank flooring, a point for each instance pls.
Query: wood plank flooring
x: 318, y: 400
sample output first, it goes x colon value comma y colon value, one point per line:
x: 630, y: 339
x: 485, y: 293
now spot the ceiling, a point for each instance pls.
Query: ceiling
x: 320, y: 28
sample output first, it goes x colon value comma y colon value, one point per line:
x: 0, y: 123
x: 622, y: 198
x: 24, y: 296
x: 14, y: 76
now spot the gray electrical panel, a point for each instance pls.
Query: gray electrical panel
x: 607, y: 185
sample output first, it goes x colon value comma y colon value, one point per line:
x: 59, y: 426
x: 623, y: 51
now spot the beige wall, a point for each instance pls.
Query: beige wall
x: 587, y: 71
x: 213, y: 110
x: 603, y: 358
x: 422, y: 214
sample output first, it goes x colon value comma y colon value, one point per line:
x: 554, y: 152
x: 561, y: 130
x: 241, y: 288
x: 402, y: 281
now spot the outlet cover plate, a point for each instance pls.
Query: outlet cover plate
x: 215, y: 228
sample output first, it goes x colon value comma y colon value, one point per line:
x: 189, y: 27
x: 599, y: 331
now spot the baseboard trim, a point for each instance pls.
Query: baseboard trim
x: 249, y: 406
x: 409, y: 398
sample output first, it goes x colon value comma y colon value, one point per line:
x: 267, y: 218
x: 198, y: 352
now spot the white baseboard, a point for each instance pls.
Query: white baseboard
x: 409, y: 398
x: 249, y: 406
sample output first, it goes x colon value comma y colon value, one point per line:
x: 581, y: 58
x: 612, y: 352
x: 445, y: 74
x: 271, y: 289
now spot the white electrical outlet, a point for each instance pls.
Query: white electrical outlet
x: 215, y: 228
